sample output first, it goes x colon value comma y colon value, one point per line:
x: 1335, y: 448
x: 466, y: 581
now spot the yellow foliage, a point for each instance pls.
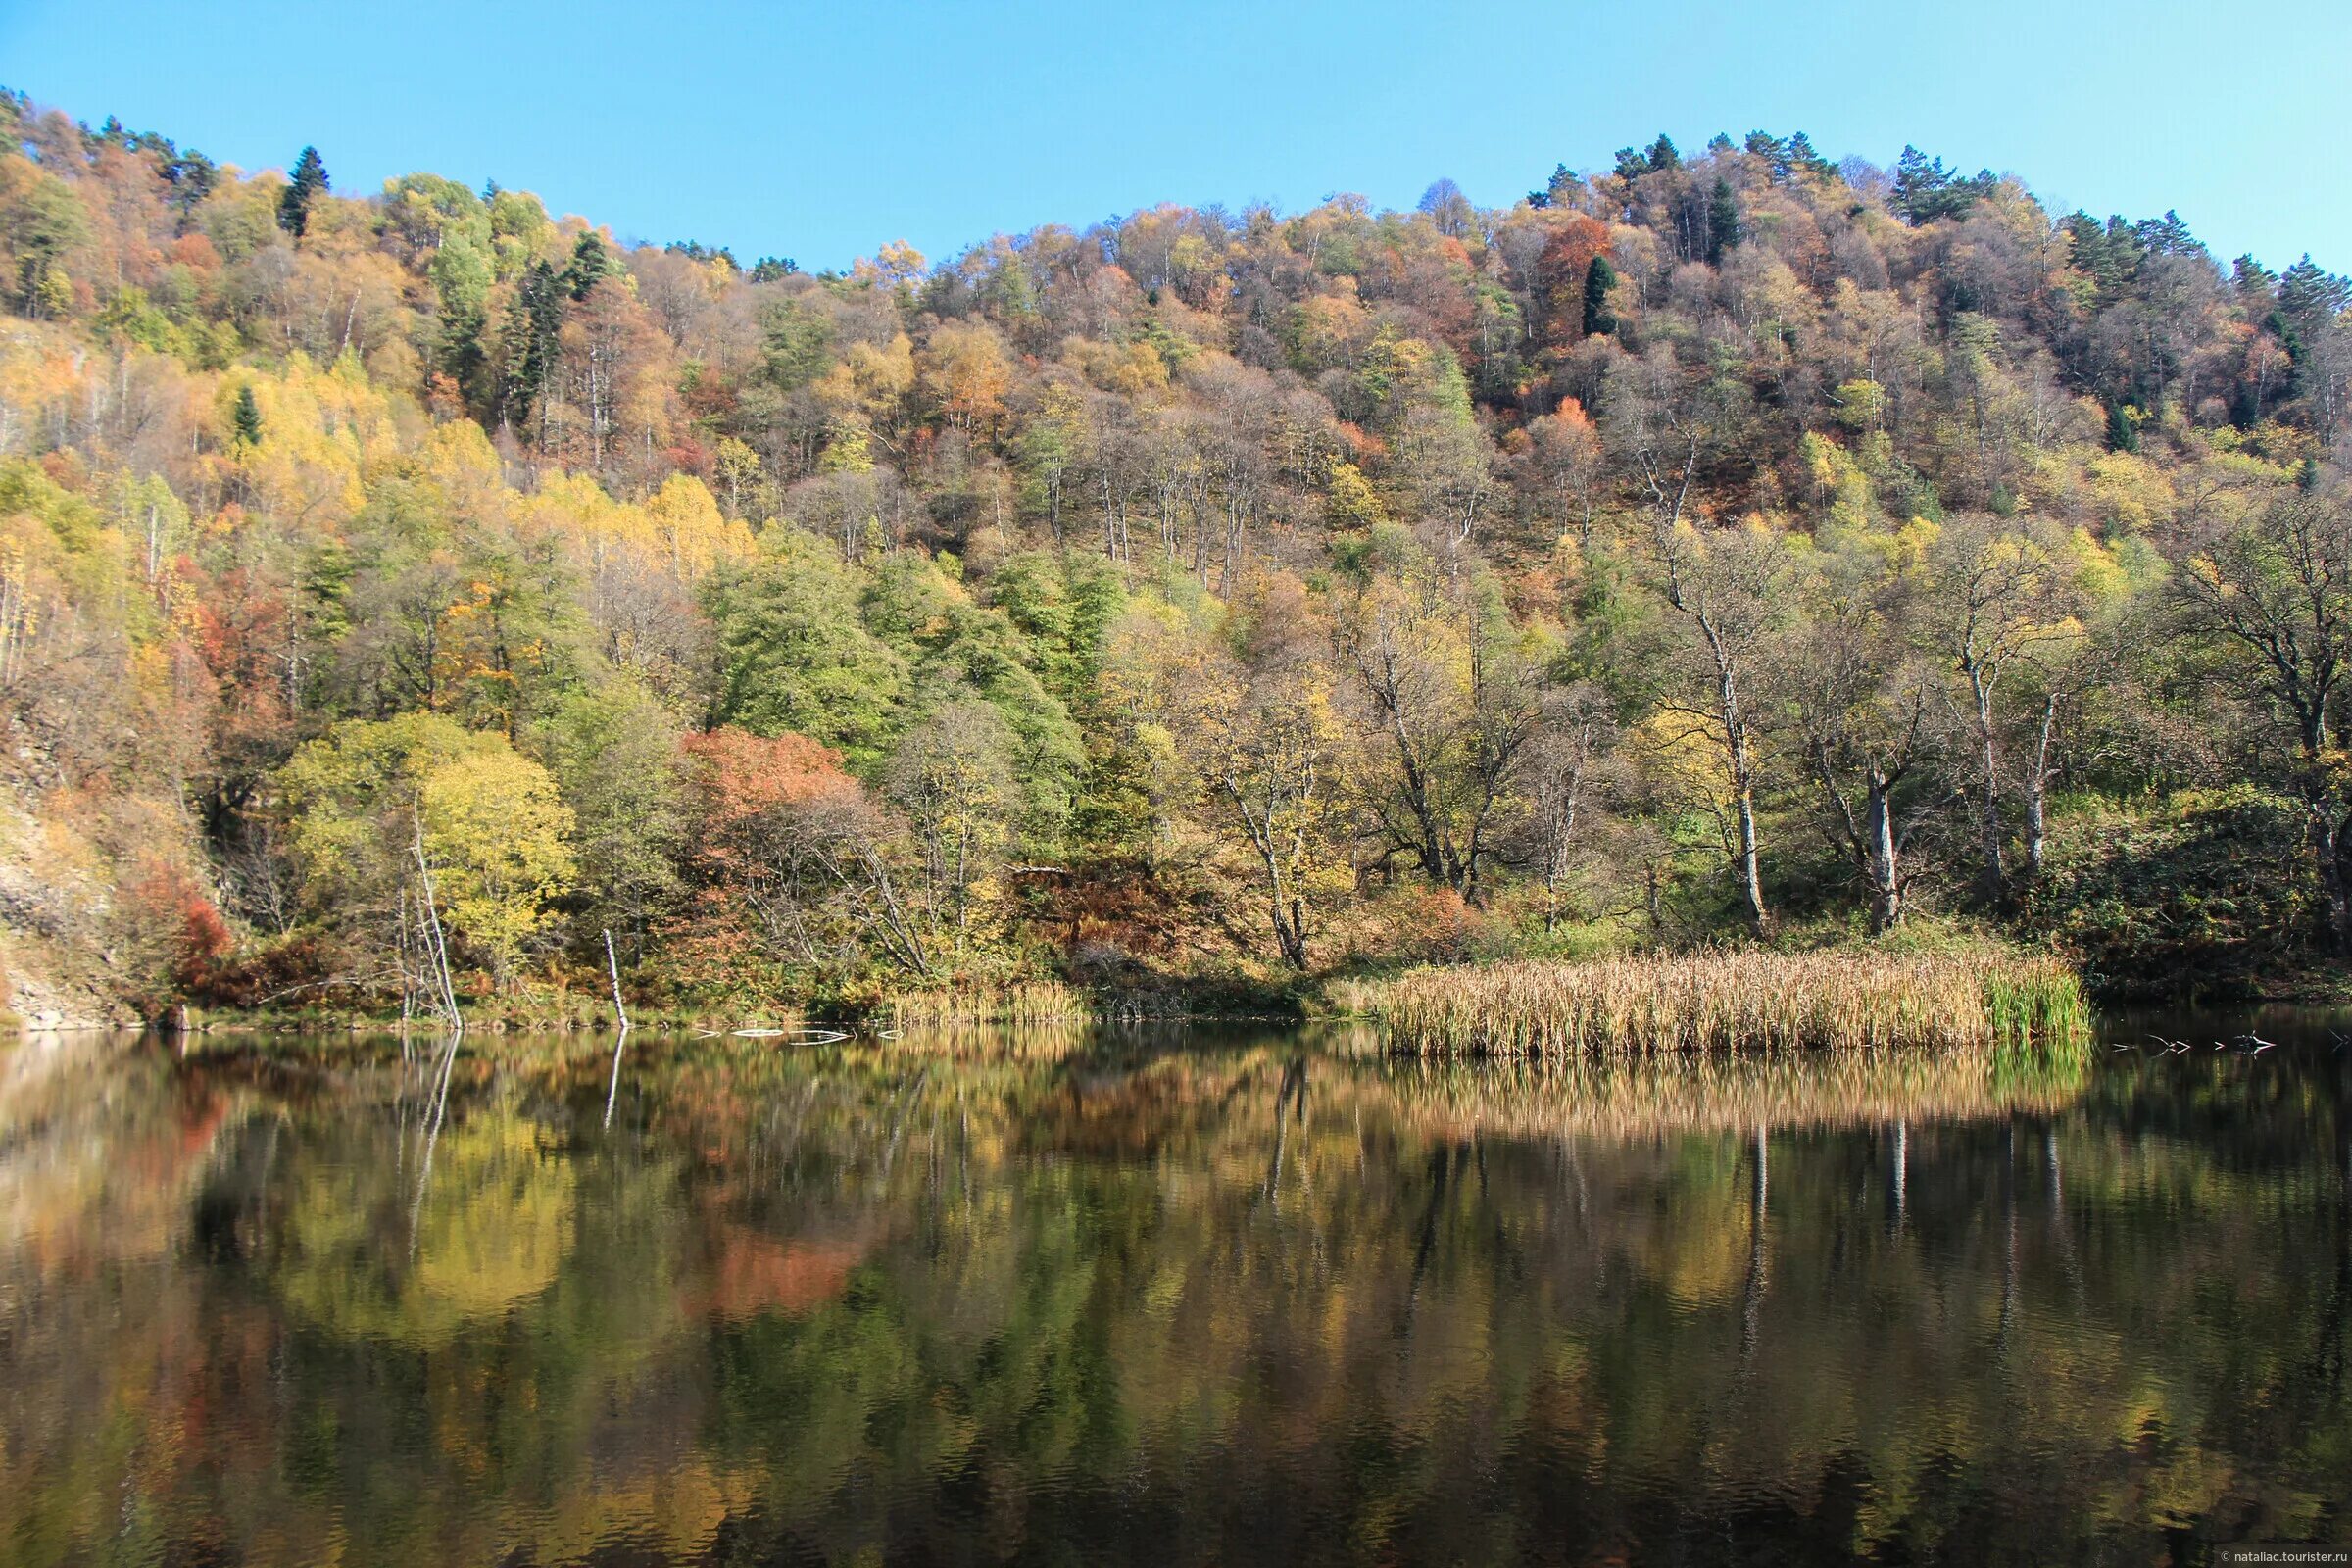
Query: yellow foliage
x: 693, y: 532
x: 492, y: 1226
x: 678, y: 531
x: 324, y: 433
x: 495, y: 823
x: 2095, y: 569
x: 967, y: 371
x: 1861, y: 405
x: 873, y: 381
x: 1840, y: 486
x: 1350, y: 502
x: 2129, y: 492
x: 1134, y: 367
x: 1677, y: 750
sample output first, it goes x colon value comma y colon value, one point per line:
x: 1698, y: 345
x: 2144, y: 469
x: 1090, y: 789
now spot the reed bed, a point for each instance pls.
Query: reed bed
x: 1031, y: 1001
x: 1975, y: 998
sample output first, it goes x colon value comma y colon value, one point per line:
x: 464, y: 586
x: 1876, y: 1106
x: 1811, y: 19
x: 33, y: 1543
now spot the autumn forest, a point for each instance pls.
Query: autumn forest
x: 1724, y: 547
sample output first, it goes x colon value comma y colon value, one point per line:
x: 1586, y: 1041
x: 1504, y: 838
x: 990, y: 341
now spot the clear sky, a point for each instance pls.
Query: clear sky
x: 819, y: 132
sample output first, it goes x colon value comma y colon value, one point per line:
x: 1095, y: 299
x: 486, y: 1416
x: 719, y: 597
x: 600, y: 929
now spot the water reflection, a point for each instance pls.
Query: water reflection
x: 1090, y: 1296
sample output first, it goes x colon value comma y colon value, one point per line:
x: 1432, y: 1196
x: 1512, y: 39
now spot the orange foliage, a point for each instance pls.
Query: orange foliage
x: 754, y: 1273
x: 194, y: 250
x: 1559, y: 282
x: 742, y: 775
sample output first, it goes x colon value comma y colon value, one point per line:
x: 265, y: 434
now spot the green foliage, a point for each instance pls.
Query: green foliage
x: 796, y: 344
x: 132, y: 317
x: 591, y: 263
x: 303, y: 189
x: 44, y: 227
x: 1438, y: 581
x: 1599, y: 278
x: 2123, y: 435
x: 362, y: 800
x: 428, y: 212
x: 614, y: 753
x: 1723, y: 222
x: 534, y: 318
x: 460, y: 275
x: 245, y: 419
x: 794, y: 656
x: 952, y: 646
x: 1924, y: 191
x: 2208, y: 893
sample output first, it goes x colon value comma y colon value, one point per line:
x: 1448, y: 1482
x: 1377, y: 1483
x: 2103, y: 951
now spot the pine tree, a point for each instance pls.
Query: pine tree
x: 1723, y: 222
x: 590, y: 265
x: 1924, y: 190
x: 1597, y: 279
x: 533, y: 321
x: 2122, y: 435
x: 245, y: 419
x: 1919, y: 185
x: 2309, y: 296
x: 463, y: 359
x: 2253, y: 282
x: 1559, y: 191
x: 2107, y: 255
x: 2281, y: 327
x: 2245, y: 405
x: 1774, y: 151
x: 2166, y: 236
x: 308, y: 183
x: 191, y: 176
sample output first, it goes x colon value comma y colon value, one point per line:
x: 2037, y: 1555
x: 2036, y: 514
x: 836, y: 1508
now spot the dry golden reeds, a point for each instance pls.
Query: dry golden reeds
x: 1030, y: 1001
x: 1737, y: 1000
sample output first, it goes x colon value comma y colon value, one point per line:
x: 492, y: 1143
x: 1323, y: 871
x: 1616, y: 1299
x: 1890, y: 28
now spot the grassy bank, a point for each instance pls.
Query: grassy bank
x: 1732, y: 1001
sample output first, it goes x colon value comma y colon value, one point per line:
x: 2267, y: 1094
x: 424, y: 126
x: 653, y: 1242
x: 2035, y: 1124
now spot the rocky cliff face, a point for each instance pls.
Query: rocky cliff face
x: 55, y: 970
x: 37, y: 1003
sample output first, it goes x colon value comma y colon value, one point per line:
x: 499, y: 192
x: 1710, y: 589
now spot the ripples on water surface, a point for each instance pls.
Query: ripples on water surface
x: 1096, y: 1297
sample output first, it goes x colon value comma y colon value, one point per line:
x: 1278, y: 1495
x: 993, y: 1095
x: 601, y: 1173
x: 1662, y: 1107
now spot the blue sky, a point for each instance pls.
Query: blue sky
x: 820, y: 132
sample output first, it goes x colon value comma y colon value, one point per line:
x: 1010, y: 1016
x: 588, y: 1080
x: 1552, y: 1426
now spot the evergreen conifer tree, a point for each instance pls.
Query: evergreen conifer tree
x: 1723, y: 222
x: 308, y: 181
x: 590, y: 265
x: 2308, y: 295
x: 2121, y: 436
x: 1801, y: 156
x: 1598, y: 278
x: 533, y: 321
x: 246, y: 419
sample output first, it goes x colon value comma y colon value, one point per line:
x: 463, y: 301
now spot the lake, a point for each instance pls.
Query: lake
x: 1101, y: 1296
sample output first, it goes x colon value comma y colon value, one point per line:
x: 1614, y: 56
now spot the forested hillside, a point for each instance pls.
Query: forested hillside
x: 1722, y: 544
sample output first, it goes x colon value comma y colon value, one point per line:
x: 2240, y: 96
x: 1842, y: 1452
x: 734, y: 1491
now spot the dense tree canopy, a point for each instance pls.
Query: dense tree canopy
x: 1721, y: 541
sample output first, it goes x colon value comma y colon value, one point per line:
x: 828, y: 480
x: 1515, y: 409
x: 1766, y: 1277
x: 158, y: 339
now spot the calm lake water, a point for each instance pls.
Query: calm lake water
x: 1093, y: 1297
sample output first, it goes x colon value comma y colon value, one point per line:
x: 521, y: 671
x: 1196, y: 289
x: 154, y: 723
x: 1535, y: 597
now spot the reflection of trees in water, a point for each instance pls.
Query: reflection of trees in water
x: 1245, y: 1303
x: 485, y: 1232
x: 1752, y: 1299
